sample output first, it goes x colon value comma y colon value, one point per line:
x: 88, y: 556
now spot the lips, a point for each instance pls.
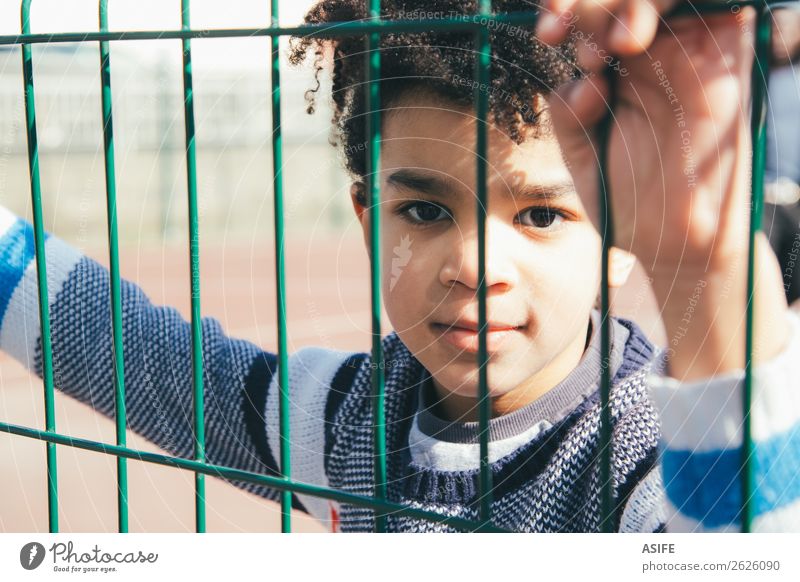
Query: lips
x: 473, y: 325
x: 463, y: 334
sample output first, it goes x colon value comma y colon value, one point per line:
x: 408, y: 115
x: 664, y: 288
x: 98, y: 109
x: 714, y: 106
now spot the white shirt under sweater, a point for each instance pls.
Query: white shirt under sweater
x: 455, y: 446
x: 700, y: 422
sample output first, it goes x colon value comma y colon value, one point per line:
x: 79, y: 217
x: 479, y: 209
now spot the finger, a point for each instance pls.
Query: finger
x: 557, y: 17
x: 574, y: 111
x: 636, y: 27
x: 595, y: 17
x: 633, y: 23
x: 562, y: 17
x: 590, y: 54
x: 587, y: 23
x: 578, y: 106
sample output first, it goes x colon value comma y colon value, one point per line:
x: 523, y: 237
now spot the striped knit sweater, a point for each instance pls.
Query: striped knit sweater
x: 675, y: 452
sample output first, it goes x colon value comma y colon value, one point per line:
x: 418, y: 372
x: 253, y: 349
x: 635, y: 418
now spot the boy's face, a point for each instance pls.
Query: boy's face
x: 542, y: 252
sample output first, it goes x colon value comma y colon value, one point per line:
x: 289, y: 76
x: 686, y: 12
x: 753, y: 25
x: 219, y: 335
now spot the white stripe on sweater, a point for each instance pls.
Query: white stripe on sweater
x: 19, y: 334
x: 7, y: 220
x: 784, y: 519
x: 311, y: 372
x: 645, y: 509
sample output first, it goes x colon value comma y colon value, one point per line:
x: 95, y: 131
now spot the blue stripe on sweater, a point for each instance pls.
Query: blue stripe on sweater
x: 707, y: 486
x: 16, y: 252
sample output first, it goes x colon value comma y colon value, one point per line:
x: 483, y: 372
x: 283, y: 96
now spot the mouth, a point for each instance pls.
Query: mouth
x: 465, y: 336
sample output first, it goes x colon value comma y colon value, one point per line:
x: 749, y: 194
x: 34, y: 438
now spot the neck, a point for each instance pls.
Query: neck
x: 456, y: 408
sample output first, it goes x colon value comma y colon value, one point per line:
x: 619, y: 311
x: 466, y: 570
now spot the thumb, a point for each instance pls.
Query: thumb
x: 575, y: 110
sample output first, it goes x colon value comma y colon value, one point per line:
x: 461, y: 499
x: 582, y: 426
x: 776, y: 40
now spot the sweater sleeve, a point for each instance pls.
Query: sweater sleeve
x: 696, y: 486
x: 240, y: 390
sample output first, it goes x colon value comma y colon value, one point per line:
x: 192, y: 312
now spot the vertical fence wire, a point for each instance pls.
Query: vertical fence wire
x: 41, y: 267
x: 373, y: 121
x: 606, y: 223
x: 758, y: 124
x: 280, y: 285
x: 113, y: 252
x: 482, y: 75
x: 194, y: 266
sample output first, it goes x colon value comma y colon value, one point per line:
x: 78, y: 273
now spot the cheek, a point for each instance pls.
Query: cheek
x: 404, y: 279
x: 412, y: 293
x: 570, y: 272
x: 583, y: 275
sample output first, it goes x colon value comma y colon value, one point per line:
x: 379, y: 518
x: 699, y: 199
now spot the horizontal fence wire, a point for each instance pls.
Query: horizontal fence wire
x: 249, y: 477
x: 372, y: 28
x: 463, y: 23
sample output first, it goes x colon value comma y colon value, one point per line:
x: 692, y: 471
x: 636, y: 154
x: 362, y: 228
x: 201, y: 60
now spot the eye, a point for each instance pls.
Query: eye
x: 421, y: 212
x: 543, y: 217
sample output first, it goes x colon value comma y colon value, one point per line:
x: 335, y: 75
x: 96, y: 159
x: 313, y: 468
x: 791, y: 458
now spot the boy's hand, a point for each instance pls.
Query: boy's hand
x: 786, y: 35
x: 679, y: 157
x: 625, y: 27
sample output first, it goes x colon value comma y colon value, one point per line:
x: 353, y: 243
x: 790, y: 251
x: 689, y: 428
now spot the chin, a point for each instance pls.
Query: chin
x: 470, y: 387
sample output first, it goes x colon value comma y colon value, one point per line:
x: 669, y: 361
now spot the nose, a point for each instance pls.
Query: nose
x: 461, y: 265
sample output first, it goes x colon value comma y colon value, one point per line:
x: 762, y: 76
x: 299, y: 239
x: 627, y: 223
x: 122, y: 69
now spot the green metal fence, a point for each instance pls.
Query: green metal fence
x: 371, y: 28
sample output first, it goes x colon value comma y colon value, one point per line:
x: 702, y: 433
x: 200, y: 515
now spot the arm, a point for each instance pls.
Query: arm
x: 696, y: 485
x: 678, y: 167
x: 702, y: 296
x: 702, y: 440
x: 241, y: 395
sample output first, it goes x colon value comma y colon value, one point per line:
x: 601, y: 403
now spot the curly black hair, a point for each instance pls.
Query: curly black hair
x: 522, y: 69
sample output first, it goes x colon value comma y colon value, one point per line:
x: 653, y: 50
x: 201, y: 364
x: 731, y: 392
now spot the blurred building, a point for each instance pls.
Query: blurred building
x: 233, y: 133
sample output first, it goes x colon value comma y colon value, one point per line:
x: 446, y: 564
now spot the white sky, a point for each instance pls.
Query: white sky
x: 81, y: 15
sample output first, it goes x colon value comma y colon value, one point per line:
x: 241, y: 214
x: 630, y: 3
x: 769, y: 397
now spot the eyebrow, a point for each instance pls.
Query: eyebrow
x: 446, y: 188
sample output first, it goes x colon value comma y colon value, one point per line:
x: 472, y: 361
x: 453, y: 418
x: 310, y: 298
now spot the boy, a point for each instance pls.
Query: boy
x: 683, y: 215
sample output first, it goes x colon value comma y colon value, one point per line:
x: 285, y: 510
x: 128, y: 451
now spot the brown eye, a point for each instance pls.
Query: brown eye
x: 423, y: 212
x: 543, y: 217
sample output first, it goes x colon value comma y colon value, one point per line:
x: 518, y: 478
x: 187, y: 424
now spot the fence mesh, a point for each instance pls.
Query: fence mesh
x: 371, y: 29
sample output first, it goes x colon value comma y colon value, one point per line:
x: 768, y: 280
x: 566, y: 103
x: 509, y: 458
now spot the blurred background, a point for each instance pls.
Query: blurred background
x: 327, y: 266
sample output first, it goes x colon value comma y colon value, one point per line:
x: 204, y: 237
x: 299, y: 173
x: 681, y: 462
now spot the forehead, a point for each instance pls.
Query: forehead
x: 436, y: 135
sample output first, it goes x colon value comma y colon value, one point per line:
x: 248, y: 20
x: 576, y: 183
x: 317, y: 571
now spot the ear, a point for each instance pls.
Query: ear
x: 621, y: 264
x: 359, y: 199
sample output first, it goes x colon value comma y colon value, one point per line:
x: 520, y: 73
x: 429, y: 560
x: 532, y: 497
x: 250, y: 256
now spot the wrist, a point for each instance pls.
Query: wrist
x: 704, y: 313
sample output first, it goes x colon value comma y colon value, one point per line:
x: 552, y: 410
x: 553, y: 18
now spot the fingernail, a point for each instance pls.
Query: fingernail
x: 576, y: 94
x: 547, y: 24
x: 621, y: 37
x: 571, y: 93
